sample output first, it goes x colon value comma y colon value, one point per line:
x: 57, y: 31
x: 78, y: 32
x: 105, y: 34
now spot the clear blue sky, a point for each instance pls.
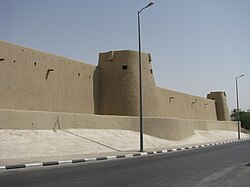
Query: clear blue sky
x: 197, y: 46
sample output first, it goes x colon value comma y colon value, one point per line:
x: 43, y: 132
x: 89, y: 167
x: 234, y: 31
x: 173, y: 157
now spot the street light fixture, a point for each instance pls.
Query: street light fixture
x: 237, y: 98
x: 140, y: 76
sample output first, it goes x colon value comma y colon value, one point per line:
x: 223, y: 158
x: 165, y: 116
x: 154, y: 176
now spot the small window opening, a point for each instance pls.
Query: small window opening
x: 14, y: 60
x: 78, y: 74
x: 151, y: 71
x: 192, y: 104
x: 34, y: 63
x: 2, y: 59
x: 205, y: 105
x: 89, y: 77
x: 124, y: 67
x: 171, y: 99
x: 47, y: 73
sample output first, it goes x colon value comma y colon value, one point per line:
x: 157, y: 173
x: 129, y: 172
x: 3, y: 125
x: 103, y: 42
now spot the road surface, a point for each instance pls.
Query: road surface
x: 223, y: 165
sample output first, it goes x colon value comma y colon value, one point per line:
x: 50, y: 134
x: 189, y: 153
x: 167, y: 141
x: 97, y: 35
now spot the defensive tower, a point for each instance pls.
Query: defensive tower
x: 220, y: 105
x: 118, y: 84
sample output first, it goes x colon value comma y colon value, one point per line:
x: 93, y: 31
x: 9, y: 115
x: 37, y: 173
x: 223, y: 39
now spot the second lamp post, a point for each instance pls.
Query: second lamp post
x: 237, y: 99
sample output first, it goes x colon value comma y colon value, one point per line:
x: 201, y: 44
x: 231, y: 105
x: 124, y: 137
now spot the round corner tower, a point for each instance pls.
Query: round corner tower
x: 220, y: 105
x: 119, y: 84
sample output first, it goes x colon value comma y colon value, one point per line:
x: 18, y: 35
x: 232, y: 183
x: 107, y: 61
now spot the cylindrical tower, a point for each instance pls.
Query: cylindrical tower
x: 220, y: 105
x: 119, y: 84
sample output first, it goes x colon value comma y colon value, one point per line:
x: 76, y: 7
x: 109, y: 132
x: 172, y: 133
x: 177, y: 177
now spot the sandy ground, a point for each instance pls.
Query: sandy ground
x: 41, y: 143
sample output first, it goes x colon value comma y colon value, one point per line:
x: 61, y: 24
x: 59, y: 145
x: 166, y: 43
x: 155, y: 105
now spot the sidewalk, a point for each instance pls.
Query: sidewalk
x: 29, y: 146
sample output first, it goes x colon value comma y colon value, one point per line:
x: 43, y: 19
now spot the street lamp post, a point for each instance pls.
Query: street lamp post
x: 237, y: 99
x: 140, y: 76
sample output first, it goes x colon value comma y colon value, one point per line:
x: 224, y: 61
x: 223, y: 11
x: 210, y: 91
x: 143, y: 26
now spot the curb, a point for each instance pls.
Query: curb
x: 53, y: 163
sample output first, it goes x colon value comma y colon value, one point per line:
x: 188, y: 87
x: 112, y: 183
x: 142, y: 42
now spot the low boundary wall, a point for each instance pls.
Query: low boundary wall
x: 173, y: 129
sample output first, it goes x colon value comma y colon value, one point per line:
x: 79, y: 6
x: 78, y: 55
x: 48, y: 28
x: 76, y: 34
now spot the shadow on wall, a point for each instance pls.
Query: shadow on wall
x: 57, y: 123
x: 96, y: 90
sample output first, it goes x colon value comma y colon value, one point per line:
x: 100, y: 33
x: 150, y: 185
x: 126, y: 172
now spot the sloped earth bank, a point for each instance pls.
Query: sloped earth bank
x: 41, y: 143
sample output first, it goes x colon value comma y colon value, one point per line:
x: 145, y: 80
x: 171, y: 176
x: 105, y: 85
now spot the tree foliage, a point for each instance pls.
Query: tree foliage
x: 244, y: 118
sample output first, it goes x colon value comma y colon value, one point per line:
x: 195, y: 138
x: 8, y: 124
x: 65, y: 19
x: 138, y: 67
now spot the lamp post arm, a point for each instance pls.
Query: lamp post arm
x: 142, y: 9
x: 150, y: 4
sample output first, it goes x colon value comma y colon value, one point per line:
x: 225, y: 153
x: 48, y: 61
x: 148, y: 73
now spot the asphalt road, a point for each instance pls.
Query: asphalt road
x: 223, y: 165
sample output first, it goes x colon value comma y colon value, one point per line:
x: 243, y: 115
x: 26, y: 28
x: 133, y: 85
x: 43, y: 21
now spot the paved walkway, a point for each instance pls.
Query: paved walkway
x: 31, y: 146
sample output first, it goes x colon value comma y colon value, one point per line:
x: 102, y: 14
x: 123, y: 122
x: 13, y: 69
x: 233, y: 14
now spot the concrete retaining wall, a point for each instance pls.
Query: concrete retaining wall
x: 177, y: 129
x: 174, y: 129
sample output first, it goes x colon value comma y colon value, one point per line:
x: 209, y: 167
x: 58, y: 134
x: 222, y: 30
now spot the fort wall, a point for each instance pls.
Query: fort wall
x: 118, y: 91
x: 37, y: 81
x: 33, y: 80
x: 185, y: 106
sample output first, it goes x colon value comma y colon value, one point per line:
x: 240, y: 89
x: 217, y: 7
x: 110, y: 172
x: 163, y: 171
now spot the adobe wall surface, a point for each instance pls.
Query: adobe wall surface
x: 185, y: 106
x: 33, y: 80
